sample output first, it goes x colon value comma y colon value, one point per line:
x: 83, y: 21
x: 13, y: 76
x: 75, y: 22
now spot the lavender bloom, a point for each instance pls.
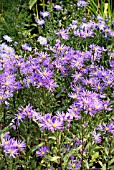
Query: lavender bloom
x: 108, y: 128
x: 44, y: 121
x: 100, y: 18
x: 96, y: 137
x: 42, y: 151
x: 45, y: 14
x: 42, y: 40
x: 78, y: 142
x: 63, y: 33
x: 40, y: 21
x: 28, y: 111
x: 58, y: 7
x: 56, y: 124
x: 7, y: 38
x: 19, y: 118
x: 26, y: 47
x: 12, y: 152
x: 74, y: 164
x: 81, y: 3
x: 20, y: 145
x: 9, y: 145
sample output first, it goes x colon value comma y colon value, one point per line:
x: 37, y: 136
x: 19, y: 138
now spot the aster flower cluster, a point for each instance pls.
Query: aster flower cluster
x: 31, y: 72
x: 80, y: 81
x: 86, y: 29
x: 11, y: 146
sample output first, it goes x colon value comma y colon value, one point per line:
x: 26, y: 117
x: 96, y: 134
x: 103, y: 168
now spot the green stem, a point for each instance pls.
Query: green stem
x: 43, y: 5
x: 82, y: 167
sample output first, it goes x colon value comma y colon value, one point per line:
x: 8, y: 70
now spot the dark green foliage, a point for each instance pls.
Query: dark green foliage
x: 13, y: 16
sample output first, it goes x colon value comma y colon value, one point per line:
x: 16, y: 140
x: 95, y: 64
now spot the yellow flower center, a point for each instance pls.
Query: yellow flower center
x: 99, y: 87
x: 73, y: 114
x: 77, y: 63
x: 54, y: 125
x: 73, y: 165
x: 42, y: 153
x: 40, y: 83
x: 90, y: 109
x: 107, y: 128
x: 19, y: 64
x: 6, y: 83
x: 6, y: 143
x: 19, y: 117
x: 75, y: 109
x: 43, y: 56
x: 60, y: 48
x: 15, y: 87
x: 44, y: 73
x: 61, y: 32
x: 8, y: 56
x: 16, y: 56
x: 0, y: 97
x: 10, y: 151
x: 18, y: 145
x: 8, y: 77
x: 28, y: 114
x: 96, y: 107
x: 28, y: 80
x: 41, y: 40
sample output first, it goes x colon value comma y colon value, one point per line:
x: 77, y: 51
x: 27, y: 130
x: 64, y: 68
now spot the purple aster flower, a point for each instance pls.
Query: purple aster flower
x: 42, y: 40
x: 58, y: 7
x: 28, y: 111
x: 19, y: 117
x: 7, y: 38
x: 81, y: 3
x: 108, y: 128
x: 44, y: 14
x: 74, y: 164
x: 78, y: 142
x: 26, y: 47
x: 55, y: 124
x: 44, y: 121
x: 72, y: 157
x: 20, y: 145
x: 96, y: 137
x: 42, y: 151
x: 9, y: 145
x: 40, y: 21
x: 63, y: 33
x: 12, y: 152
x: 100, y: 18
x: 74, y: 22
x: 51, y: 85
x: 112, y: 64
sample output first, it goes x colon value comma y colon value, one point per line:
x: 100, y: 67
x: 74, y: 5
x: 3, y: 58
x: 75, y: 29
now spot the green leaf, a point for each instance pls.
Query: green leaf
x: 54, y: 159
x: 33, y: 149
x: 52, y: 137
x: 112, y: 161
x: 95, y: 156
x: 31, y: 3
x: 103, y: 166
x: 36, y: 147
